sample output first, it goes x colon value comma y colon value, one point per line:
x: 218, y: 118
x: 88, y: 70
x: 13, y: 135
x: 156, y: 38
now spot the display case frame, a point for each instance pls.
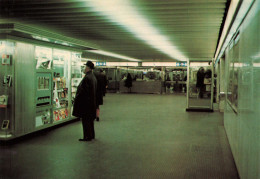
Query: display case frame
x: 200, y: 105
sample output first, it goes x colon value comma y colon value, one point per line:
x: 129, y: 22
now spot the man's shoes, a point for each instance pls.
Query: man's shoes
x: 85, y: 139
x: 97, y: 118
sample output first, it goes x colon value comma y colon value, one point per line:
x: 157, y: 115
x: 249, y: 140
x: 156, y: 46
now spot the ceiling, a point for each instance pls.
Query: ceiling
x: 189, y: 29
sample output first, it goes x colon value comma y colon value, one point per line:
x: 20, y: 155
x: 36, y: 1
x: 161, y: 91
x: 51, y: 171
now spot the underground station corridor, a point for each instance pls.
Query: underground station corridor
x: 146, y: 136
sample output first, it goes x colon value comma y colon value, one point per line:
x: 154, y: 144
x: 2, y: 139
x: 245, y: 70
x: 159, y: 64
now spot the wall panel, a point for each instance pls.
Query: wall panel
x: 243, y: 127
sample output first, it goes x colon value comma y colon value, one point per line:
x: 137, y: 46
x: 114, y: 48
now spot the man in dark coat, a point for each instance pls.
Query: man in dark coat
x: 200, y: 81
x: 85, y: 102
x: 128, y: 82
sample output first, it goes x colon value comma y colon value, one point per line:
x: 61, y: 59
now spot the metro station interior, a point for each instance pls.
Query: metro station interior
x: 192, y: 110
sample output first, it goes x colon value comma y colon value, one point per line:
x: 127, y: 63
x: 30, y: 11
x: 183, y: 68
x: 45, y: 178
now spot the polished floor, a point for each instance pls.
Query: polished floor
x: 138, y: 136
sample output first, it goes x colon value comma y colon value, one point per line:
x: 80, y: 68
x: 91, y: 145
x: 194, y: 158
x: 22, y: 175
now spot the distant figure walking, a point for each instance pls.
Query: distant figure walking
x: 128, y: 82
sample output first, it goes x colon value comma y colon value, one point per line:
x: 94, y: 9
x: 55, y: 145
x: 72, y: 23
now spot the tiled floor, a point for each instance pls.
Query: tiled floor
x: 138, y: 136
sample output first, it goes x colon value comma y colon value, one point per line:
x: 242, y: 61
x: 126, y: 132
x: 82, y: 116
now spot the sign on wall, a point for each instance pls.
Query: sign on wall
x: 100, y: 63
x: 181, y: 64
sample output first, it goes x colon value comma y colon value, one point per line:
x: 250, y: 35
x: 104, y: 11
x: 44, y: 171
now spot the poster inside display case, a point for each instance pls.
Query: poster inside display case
x: 61, y: 60
x: 43, y: 56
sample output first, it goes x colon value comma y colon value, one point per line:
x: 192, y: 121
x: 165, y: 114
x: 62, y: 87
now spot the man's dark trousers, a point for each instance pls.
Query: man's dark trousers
x: 88, y: 128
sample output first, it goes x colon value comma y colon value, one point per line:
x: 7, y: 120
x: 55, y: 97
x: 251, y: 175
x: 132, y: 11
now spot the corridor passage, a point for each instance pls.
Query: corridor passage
x: 138, y: 136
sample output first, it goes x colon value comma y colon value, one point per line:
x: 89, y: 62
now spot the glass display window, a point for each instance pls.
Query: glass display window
x: 76, y: 73
x: 61, y: 60
x: 199, y: 92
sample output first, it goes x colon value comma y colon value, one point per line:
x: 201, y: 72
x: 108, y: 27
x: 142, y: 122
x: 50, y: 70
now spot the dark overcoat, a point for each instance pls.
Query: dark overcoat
x: 128, y: 81
x: 200, y: 79
x: 101, y: 87
x: 85, y: 99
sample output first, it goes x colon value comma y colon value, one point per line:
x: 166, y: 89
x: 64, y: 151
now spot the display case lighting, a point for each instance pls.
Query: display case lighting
x: 40, y: 38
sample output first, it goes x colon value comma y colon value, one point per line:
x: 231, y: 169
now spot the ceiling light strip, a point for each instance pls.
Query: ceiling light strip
x: 125, y: 15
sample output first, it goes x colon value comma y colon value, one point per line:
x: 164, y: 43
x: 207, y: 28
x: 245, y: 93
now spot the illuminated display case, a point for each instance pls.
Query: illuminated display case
x: 42, y: 80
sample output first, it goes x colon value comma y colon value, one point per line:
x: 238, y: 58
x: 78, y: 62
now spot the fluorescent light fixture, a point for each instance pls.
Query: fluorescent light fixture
x: 113, y: 55
x: 40, y: 38
x: 124, y: 14
x: 173, y: 64
x: 133, y: 64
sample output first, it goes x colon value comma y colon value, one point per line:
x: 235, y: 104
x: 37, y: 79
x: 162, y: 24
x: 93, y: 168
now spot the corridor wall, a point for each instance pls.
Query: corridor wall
x: 242, y: 111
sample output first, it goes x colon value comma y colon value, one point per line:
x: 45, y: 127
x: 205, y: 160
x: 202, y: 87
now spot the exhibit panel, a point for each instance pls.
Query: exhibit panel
x: 200, y: 86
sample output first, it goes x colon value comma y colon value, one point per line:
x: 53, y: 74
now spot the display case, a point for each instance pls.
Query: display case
x: 200, y: 86
x: 42, y: 80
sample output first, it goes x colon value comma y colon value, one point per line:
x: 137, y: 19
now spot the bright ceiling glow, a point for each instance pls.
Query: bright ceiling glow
x: 173, y: 64
x: 113, y: 55
x: 124, y: 14
x: 134, y: 64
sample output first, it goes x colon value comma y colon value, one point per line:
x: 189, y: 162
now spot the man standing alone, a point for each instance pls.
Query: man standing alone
x: 85, y: 102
